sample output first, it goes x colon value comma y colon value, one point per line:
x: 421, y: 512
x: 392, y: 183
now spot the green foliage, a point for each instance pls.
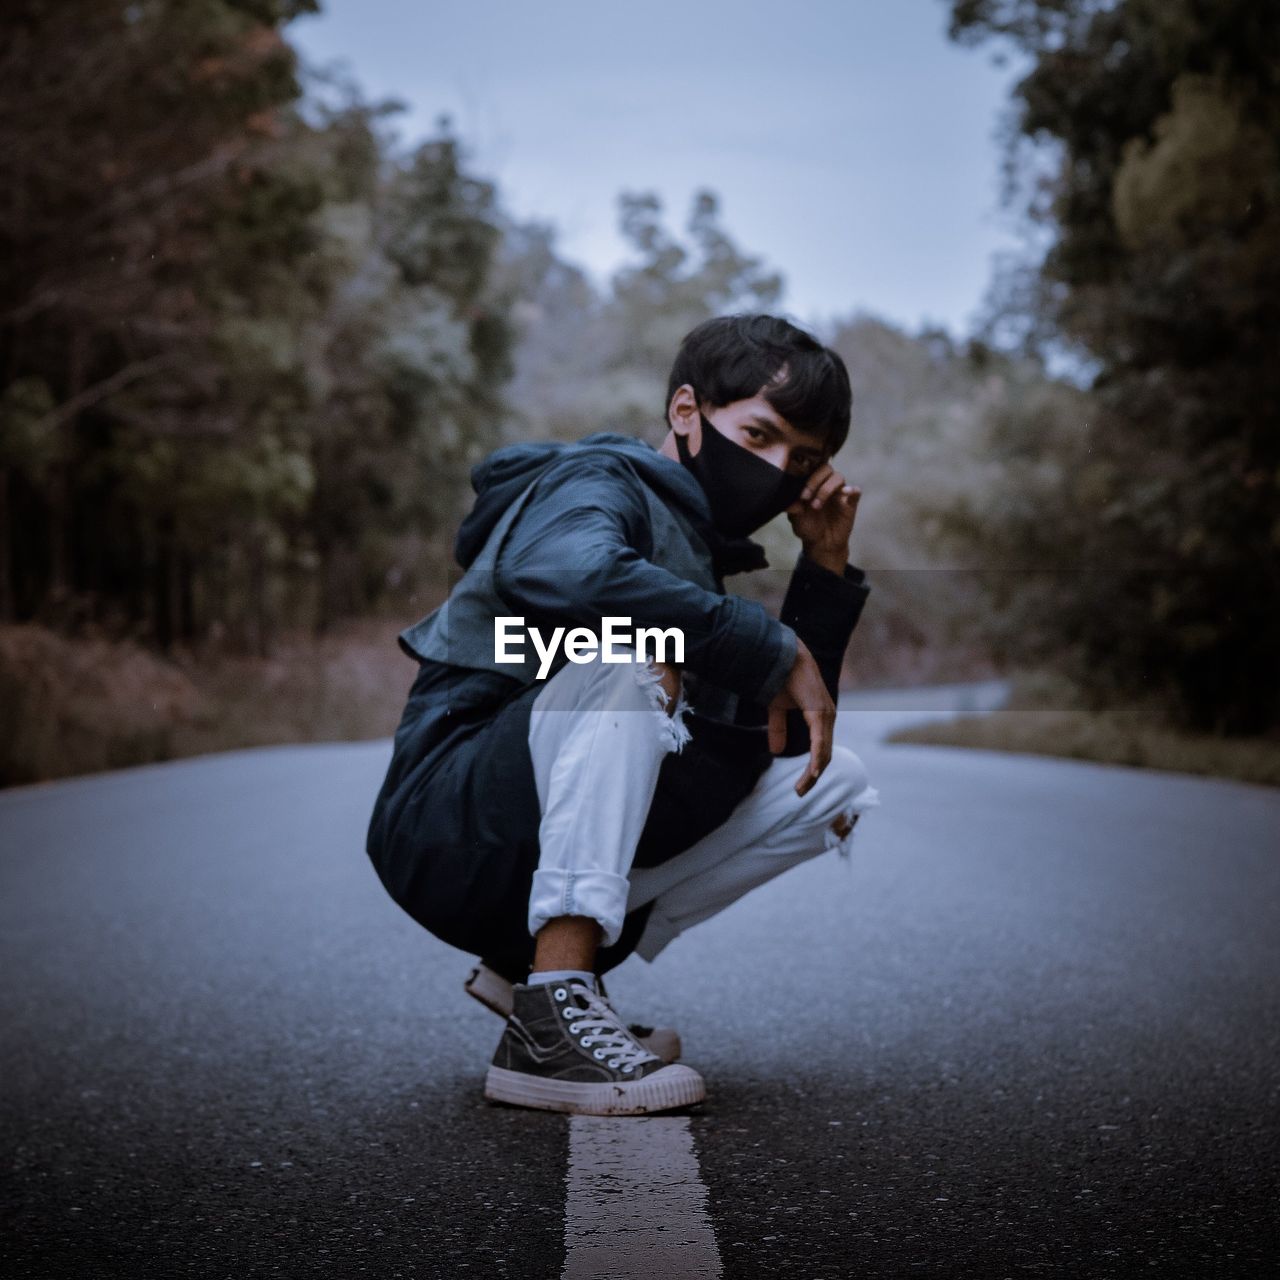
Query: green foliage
x: 923, y: 405
x: 588, y: 361
x: 1165, y: 273
x: 29, y: 440
x: 408, y: 361
x: 247, y: 351
x: 250, y: 347
x: 592, y: 363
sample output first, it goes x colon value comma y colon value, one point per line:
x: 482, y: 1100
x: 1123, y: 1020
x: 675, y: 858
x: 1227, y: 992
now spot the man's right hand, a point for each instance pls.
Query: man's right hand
x: 806, y: 690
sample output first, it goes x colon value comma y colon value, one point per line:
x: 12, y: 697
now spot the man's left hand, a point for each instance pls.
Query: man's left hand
x: 822, y: 517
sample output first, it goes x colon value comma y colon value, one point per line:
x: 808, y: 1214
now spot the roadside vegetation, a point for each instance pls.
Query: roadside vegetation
x: 1043, y: 717
x: 73, y: 707
x: 247, y: 364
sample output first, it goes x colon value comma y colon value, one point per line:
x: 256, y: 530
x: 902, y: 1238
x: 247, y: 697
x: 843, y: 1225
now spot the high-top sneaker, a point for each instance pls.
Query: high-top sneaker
x: 565, y: 1049
x: 487, y: 985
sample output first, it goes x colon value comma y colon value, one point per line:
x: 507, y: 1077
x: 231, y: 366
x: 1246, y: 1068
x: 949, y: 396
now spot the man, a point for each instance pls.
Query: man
x: 551, y: 812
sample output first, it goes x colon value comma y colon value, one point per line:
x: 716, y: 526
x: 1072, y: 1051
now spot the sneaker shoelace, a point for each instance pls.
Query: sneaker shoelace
x: 593, y: 1020
x: 637, y: 1029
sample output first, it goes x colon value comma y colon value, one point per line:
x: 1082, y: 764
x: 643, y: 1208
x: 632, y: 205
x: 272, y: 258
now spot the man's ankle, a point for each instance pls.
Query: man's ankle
x: 567, y: 942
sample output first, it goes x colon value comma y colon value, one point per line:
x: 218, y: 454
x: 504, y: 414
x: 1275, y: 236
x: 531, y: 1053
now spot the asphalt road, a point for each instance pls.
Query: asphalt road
x: 1031, y: 1030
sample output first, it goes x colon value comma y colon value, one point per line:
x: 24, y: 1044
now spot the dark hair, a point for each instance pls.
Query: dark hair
x: 736, y: 357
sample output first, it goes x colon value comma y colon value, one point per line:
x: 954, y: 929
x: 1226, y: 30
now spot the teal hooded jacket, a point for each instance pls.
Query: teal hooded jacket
x: 565, y: 535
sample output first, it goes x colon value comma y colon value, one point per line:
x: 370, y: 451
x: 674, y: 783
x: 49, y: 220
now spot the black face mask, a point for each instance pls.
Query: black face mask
x: 745, y: 491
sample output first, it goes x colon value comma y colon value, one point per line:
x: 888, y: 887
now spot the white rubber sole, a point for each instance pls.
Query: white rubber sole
x: 664, y: 1090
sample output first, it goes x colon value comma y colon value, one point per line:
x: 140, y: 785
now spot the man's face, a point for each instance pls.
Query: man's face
x: 756, y: 425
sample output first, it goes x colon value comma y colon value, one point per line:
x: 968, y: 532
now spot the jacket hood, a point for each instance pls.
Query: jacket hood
x: 501, y: 477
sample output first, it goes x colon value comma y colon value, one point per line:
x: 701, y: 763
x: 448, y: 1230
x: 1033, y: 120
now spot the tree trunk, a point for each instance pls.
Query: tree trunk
x: 186, y: 597
x: 60, y: 549
x: 173, y: 589
x: 162, y: 585
x: 324, y: 588
x: 258, y: 594
x: 59, y: 542
x: 6, y: 551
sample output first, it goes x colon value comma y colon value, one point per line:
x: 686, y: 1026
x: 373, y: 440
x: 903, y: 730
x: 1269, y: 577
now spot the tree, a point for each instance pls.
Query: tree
x: 1164, y: 272
x: 149, y: 228
x: 591, y: 362
x: 247, y: 347
x: 408, y: 361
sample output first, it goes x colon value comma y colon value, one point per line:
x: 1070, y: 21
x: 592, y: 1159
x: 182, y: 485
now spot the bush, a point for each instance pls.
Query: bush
x: 76, y: 706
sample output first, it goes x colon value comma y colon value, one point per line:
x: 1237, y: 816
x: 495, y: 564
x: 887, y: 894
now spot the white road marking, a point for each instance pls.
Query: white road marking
x: 636, y: 1205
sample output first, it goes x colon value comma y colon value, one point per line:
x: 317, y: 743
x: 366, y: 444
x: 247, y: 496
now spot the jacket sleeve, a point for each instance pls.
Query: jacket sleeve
x: 578, y: 553
x: 823, y: 608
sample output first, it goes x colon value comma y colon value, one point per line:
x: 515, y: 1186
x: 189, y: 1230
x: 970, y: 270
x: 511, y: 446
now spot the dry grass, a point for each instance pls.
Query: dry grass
x: 1130, y: 736
x: 77, y: 707
x: 348, y: 687
x: 71, y: 707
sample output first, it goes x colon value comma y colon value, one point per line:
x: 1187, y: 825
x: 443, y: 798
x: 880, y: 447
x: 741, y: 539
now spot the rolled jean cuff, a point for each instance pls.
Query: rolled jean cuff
x: 600, y: 895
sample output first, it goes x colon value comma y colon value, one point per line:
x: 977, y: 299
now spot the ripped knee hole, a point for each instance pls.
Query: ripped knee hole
x: 843, y: 824
x: 668, y: 679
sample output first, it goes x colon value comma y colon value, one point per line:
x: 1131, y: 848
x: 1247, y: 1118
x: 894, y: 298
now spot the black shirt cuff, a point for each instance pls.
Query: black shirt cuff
x: 823, y: 607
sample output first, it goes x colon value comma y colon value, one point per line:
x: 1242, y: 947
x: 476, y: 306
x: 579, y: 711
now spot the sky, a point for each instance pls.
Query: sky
x: 852, y: 147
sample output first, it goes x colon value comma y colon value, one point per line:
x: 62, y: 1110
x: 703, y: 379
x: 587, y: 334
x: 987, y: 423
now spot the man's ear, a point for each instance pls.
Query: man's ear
x: 683, y: 416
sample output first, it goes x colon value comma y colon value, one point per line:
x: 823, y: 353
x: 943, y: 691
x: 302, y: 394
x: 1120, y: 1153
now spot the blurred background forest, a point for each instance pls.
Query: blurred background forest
x: 251, y: 345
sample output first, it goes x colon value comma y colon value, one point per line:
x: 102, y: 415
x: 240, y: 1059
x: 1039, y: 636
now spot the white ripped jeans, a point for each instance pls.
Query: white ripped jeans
x: 598, y: 733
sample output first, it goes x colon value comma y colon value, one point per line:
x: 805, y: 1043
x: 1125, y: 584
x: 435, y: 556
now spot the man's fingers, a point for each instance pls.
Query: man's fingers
x: 807, y: 778
x: 814, y: 480
x: 821, y: 722
x: 813, y: 770
x: 777, y: 729
x: 830, y: 486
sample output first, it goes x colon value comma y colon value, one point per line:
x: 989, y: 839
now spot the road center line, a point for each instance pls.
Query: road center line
x: 635, y: 1203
